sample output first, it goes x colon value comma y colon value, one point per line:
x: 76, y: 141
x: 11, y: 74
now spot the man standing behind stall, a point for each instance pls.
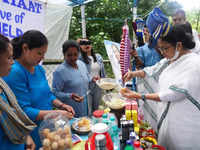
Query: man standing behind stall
x: 180, y: 18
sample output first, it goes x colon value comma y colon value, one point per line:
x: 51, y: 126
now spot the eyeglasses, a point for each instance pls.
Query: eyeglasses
x: 83, y: 42
x: 164, y: 49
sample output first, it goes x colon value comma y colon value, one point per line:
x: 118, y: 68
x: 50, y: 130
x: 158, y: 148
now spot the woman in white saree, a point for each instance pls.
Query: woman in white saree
x: 179, y: 84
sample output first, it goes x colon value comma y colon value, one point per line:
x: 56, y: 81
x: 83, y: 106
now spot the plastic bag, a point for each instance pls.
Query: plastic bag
x: 55, y: 132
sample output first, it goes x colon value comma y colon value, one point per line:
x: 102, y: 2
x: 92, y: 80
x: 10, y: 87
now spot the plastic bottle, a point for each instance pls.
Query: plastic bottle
x: 105, y: 119
x: 115, y: 138
x: 112, y: 124
x: 129, y: 145
x: 132, y: 136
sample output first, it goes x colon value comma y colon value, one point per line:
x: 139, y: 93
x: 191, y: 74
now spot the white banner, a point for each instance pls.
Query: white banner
x: 113, y: 52
x: 57, y: 24
x: 18, y: 16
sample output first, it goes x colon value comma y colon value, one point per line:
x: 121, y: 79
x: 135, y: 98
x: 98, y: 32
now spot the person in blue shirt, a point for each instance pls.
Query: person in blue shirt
x: 28, y: 81
x: 95, y: 66
x: 145, y: 56
x: 71, y: 79
x: 9, y: 133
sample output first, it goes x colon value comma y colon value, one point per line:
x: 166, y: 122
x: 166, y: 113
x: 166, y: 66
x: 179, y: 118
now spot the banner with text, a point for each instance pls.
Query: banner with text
x: 18, y: 16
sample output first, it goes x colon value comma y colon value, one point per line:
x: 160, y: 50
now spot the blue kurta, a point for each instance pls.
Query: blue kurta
x: 67, y: 80
x: 149, y: 57
x: 32, y: 92
x: 5, y: 143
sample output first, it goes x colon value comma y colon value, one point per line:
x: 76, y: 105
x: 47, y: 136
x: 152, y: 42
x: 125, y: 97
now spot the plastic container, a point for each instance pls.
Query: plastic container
x: 100, y: 142
x: 55, y: 132
x: 100, y: 128
x: 97, y: 116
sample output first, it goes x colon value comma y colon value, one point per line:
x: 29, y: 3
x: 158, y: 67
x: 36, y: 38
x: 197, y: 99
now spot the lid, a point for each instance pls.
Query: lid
x: 105, y: 116
x: 112, y: 118
x: 105, y: 121
x: 129, y: 142
x: 132, y: 135
x: 99, y: 128
x: 100, y: 140
x: 98, y: 113
x: 136, y: 144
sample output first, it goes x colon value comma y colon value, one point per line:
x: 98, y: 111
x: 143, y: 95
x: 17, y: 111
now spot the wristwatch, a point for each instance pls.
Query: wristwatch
x: 143, y: 97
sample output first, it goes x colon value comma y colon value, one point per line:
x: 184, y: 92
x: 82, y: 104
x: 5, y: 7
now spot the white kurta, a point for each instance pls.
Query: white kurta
x: 150, y: 85
x: 181, y: 127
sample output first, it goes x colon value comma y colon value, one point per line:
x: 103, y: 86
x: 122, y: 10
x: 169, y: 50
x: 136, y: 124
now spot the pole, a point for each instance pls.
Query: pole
x: 134, y: 18
x: 83, y: 23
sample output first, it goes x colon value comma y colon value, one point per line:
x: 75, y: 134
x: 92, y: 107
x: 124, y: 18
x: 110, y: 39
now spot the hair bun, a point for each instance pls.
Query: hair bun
x: 188, y: 41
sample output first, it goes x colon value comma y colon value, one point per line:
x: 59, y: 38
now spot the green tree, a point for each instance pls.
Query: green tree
x: 194, y: 18
x: 105, y: 19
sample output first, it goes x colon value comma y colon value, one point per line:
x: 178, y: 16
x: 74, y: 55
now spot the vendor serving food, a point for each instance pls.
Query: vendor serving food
x: 179, y: 84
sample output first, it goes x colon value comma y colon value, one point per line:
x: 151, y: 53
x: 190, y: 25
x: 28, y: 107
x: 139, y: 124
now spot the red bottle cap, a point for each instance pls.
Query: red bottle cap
x: 98, y: 113
x: 136, y: 144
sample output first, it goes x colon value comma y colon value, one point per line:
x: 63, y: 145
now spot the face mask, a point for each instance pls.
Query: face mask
x: 175, y: 55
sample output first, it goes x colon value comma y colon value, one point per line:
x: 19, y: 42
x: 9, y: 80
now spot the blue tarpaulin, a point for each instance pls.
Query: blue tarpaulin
x: 68, y: 2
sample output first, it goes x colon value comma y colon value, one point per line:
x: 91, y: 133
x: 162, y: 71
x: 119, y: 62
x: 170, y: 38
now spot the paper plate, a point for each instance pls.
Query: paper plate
x: 82, y: 125
x: 114, y: 100
x: 107, y: 83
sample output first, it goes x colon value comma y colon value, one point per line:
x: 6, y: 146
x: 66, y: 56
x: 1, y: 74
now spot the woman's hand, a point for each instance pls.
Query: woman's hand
x: 128, y: 76
x: 65, y: 113
x: 129, y: 94
x: 132, y: 74
x: 30, y: 145
x: 133, y: 53
x: 95, y: 78
x: 67, y: 108
x: 77, y: 98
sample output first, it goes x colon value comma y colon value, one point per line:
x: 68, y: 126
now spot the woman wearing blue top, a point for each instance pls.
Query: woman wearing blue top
x: 11, y: 137
x: 28, y: 81
x: 95, y: 66
x: 71, y: 79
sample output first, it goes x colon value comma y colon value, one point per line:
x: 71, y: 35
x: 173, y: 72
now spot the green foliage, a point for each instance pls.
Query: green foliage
x: 105, y: 18
x: 194, y: 18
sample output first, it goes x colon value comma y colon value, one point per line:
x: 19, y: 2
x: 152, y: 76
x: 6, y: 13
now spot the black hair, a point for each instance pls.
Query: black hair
x: 86, y: 59
x: 4, y: 41
x: 188, y: 27
x: 68, y: 44
x: 179, y: 34
x: 33, y: 38
x: 84, y: 55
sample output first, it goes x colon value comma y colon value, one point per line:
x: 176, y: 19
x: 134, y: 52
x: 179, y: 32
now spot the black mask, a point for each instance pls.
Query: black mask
x: 83, y: 42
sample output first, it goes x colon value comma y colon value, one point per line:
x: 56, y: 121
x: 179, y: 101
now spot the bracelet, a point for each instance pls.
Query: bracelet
x: 143, y: 97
